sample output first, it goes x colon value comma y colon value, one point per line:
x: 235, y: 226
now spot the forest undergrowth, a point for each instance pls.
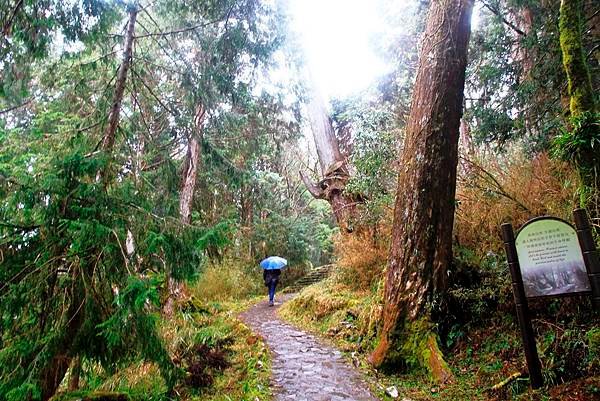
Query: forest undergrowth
x: 476, y: 321
x: 218, y: 357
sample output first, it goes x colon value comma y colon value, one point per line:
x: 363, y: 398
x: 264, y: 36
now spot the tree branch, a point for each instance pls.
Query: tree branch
x: 314, y: 190
x: 496, y: 12
x: 25, y: 103
x: 188, y: 29
x: 8, y: 25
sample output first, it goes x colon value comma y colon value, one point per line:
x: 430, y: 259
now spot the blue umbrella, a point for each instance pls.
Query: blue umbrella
x: 273, y: 262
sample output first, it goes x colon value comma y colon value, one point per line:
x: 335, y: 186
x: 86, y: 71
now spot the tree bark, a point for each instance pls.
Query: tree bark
x: 75, y: 374
x: 53, y: 373
x: 113, y: 119
x: 582, y: 103
x: 333, y: 166
x: 580, y: 88
x: 421, y: 245
x: 326, y: 142
x: 190, y: 168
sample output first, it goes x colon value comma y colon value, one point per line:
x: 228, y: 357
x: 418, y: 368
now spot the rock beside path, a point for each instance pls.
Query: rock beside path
x: 304, y: 369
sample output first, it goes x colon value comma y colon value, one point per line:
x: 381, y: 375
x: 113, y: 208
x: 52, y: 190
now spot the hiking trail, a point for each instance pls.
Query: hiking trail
x: 303, y: 368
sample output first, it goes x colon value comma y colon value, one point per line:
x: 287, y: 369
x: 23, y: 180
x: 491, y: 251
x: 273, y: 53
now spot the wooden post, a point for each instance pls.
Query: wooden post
x: 531, y: 355
x: 590, y: 254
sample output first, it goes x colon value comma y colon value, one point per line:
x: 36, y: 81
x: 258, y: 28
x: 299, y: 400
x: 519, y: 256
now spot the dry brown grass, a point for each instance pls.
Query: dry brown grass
x: 490, y: 191
x: 362, y: 257
x: 514, y: 190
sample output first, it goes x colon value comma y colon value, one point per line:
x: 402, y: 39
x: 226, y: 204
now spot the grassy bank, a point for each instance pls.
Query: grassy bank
x: 482, y: 353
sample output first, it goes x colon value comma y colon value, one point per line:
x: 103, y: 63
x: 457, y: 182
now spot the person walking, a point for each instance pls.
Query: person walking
x: 271, y: 278
x: 272, y: 269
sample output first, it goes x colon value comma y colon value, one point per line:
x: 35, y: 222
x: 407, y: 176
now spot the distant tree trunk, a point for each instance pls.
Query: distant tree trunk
x: 421, y: 245
x: 190, y: 168
x: 186, y: 198
x: 247, y: 204
x: 466, y: 149
x: 108, y: 141
x: 523, y: 19
x: 190, y: 171
x: 333, y: 166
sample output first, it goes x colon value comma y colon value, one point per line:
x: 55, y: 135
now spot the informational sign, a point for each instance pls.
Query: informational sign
x: 550, y: 258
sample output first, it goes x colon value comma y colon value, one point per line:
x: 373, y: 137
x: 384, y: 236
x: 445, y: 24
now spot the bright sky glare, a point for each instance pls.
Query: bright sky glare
x: 335, y: 36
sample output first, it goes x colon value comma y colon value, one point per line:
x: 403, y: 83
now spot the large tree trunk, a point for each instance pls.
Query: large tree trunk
x: 424, y: 212
x: 52, y: 375
x: 333, y: 166
x: 75, y: 374
x: 323, y: 134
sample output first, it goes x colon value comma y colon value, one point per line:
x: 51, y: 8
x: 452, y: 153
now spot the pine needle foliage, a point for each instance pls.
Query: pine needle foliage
x: 69, y: 286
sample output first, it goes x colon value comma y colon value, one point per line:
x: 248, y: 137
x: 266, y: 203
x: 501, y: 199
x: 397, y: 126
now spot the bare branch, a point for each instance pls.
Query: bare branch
x: 497, y: 12
x: 183, y: 30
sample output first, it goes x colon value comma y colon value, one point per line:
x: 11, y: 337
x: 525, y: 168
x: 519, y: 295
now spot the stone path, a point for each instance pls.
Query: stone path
x: 304, y: 369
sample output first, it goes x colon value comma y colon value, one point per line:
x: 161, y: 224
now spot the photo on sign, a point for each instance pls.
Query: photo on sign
x: 550, y: 258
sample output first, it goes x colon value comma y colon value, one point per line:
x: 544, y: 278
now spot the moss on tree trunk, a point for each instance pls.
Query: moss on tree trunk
x: 578, y: 76
x: 417, y: 346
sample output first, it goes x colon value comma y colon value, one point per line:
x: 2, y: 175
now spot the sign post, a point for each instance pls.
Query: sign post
x: 531, y: 355
x: 590, y: 254
x: 549, y: 258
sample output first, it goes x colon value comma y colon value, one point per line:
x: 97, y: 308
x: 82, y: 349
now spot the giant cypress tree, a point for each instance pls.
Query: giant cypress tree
x: 421, y: 246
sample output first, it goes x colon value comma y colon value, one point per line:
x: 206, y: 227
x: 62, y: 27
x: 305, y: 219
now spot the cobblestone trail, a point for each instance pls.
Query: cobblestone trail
x: 304, y: 369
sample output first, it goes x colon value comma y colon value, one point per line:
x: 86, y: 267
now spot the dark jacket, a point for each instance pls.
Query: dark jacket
x: 271, y: 276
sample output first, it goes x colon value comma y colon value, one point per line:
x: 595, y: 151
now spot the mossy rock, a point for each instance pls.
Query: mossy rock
x: 194, y: 305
